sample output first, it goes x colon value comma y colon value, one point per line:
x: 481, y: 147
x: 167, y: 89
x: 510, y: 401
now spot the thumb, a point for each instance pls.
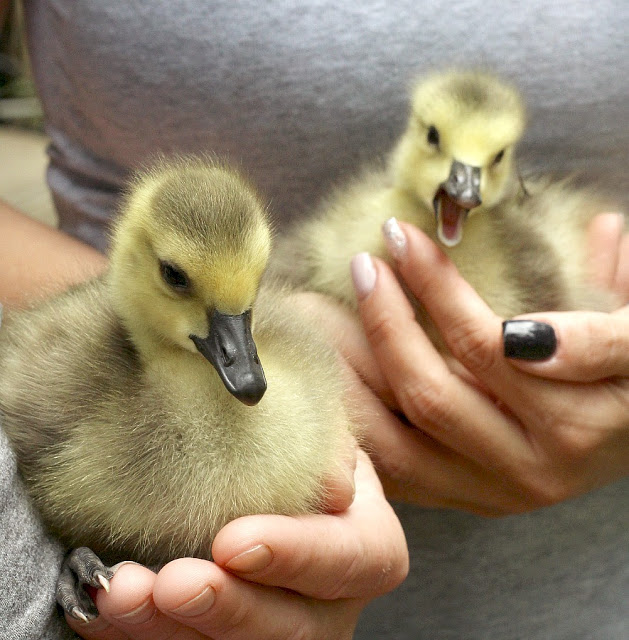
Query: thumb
x: 339, y: 485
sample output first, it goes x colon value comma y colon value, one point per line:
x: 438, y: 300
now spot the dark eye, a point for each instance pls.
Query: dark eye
x: 433, y: 136
x: 499, y: 157
x: 174, y: 276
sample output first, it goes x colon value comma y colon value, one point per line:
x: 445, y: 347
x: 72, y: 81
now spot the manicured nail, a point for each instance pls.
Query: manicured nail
x: 615, y: 219
x: 252, y: 560
x: 363, y: 274
x: 198, y: 605
x: 140, y: 615
x: 528, y: 340
x: 395, y: 238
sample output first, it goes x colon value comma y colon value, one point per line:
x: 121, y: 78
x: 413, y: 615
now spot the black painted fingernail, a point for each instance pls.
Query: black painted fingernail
x: 528, y: 340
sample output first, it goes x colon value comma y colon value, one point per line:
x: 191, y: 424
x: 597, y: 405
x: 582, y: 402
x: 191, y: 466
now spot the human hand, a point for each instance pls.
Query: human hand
x: 609, y: 254
x: 320, y: 571
x: 503, y: 438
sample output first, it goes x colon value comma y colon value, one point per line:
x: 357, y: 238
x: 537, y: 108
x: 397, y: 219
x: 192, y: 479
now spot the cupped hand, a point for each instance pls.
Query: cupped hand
x: 272, y: 577
x: 500, y: 435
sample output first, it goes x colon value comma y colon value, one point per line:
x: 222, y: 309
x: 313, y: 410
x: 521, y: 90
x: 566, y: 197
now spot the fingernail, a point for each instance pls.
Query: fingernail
x: 363, y: 274
x: 528, y: 340
x: 140, y: 615
x: 198, y: 605
x: 252, y: 560
x: 395, y: 238
x: 616, y: 219
x: 114, y: 568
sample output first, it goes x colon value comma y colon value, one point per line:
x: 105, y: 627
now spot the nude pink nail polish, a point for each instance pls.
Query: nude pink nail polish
x: 363, y: 274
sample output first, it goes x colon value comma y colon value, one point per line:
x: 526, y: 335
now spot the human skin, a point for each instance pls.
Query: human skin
x: 303, y: 577
x: 522, y: 434
x: 38, y: 261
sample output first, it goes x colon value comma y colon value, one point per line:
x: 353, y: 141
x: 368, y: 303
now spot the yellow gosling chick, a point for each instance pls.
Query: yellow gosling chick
x: 453, y: 174
x: 137, y: 403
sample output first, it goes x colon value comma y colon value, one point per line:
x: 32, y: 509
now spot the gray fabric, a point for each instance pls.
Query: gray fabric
x: 299, y: 94
x: 29, y: 563
x: 557, y: 574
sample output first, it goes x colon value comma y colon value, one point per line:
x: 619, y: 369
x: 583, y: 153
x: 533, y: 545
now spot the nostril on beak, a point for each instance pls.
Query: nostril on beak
x: 228, y: 359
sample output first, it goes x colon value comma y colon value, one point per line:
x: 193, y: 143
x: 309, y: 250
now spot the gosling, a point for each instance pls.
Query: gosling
x: 137, y: 403
x: 453, y: 174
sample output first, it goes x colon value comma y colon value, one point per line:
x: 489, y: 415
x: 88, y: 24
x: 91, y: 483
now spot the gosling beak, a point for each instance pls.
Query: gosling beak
x: 453, y: 201
x: 231, y: 350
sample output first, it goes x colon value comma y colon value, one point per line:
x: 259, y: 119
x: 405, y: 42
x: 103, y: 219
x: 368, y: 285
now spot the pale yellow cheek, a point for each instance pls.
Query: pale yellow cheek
x: 183, y: 328
x: 492, y: 187
x: 430, y: 179
x: 186, y: 343
x: 176, y: 320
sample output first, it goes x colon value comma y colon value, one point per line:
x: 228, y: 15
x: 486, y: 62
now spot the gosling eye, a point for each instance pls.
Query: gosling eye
x: 173, y: 276
x: 499, y: 157
x: 433, y: 136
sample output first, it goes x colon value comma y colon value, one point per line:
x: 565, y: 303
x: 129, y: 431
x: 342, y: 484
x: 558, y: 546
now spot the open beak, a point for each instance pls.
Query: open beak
x: 453, y: 201
x: 231, y: 350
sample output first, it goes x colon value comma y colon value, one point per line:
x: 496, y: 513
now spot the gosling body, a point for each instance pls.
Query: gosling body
x: 126, y: 435
x: 453, y: 175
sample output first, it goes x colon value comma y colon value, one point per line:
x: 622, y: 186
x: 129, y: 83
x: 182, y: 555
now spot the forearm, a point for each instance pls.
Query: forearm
x: 37, y: 260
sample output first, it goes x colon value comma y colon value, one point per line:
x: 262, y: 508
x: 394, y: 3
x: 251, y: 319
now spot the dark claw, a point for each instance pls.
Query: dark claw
x: 79, y: 568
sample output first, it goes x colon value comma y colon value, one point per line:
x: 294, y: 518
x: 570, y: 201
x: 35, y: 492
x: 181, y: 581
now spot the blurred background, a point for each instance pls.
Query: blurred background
x: 22, y: 141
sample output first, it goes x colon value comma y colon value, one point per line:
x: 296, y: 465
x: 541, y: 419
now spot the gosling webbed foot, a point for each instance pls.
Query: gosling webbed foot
x: 79, y: 568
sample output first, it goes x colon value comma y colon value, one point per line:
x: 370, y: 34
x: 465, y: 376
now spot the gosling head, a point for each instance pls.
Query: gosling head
x: 456, y: 155
x: 188, y: 253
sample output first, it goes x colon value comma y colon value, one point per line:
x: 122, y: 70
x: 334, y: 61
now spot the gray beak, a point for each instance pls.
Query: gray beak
x: 231, y: 350
x: 453, y: 201
x: 463, y: 185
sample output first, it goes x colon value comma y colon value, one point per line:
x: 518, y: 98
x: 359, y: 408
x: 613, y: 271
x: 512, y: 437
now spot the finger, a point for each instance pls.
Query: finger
x: 473, y: 335
x: 358, y: 553
x: 579, y: 411
x: 453, y: 412
x: 340, y: 486
x: 603, y: 240
x: 415, y: 468
x: 99, y: 629
x: 466, y: 323
x: 200, y: 595
x: 590, y: 346
x: 129, y: 607
x: 621, y: 282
